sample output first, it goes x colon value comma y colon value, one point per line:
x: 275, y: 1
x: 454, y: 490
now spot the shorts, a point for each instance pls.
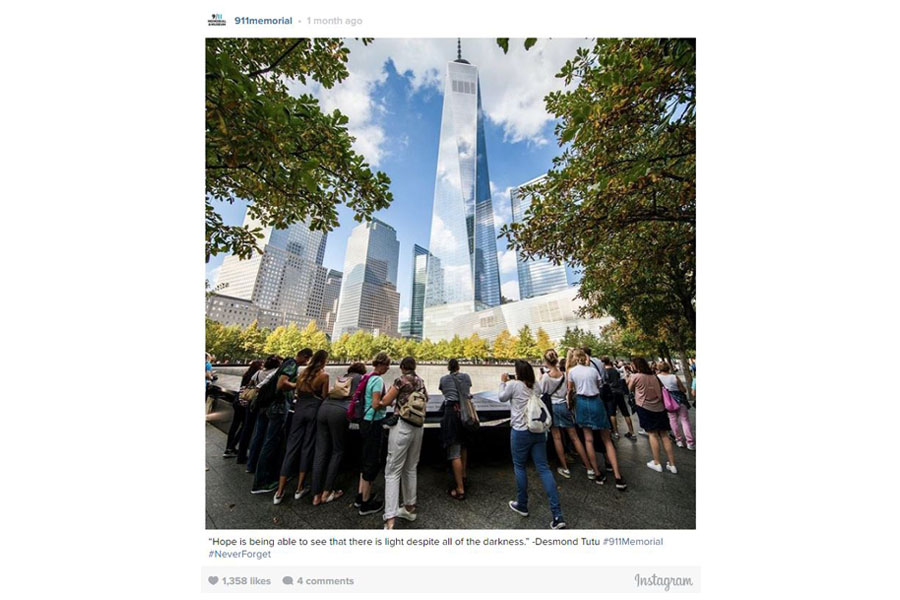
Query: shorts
x: 454, y: 451
x: 562, y: 416
x: 616, y: 401
x: 590, y: 412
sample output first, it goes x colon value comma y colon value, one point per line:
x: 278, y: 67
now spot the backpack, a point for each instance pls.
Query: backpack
x: 267, y: 390
x: 605, y: 389
x: 358, y: 402
x: 341, y: 387
x: 412, y: 409
x: 537, y: 416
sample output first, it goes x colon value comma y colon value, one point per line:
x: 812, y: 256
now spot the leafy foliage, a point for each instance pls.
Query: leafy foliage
x: 280, y: 152
x: 621, y: 197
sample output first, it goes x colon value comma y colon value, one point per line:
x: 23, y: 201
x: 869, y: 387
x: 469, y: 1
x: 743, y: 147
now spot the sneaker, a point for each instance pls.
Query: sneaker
x: 358, y: 501
x: 679, y: 443
x: 642, y: 432
x: 564, y: 472
x: 591, y: 474
x: 229, y: 454
x: 265, y: 489
x: 615, y: 435
x: 671, y: 468
x: 690, y: 446
x: 515, y: 508
x: 655, y: 466
x: 557, y: 524
x: 609, y: 469
x: 301, y: 493
x: 601, y: 480
x: 371, y: 507
x: 405, y: 514
x: 276, y: 499
x: 630, y: 436
x: 620, y: 483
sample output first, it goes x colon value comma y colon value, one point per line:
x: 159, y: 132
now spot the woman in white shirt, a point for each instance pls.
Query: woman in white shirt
x: 525, y: 443
x: 590, y: 414
x: 553, y: 384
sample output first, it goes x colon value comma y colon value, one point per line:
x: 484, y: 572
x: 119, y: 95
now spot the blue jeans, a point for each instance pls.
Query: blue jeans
x: 523, y: 445
x: 269, y: 454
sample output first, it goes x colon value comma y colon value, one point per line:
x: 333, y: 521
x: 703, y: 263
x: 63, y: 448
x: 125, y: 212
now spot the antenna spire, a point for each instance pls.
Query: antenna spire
x: 458, y: 49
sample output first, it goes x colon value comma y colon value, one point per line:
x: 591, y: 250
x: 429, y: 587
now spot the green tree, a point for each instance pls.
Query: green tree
x: 543, y: 341
x: 339, y: 348
x: 213, y: 336
x: 625, y: 181
x: 278, y: 151
x: 426, y: 350
x: 230, y: 344
x: 312, y: 337
x: 505, y: 346
x: 273, y: 341
x: 253, y: 340
x: 526, y: 345
x: 360, y: 346
x: 476, y: 348
x: 457, y: 348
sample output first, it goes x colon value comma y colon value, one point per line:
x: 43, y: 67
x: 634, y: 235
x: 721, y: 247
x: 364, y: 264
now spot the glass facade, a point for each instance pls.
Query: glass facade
x: 331, y: 294
x: 287, y: 278
x: 537, y: 276
x: 369, y: 299
x: 417, y: 302
x: 463, y: 275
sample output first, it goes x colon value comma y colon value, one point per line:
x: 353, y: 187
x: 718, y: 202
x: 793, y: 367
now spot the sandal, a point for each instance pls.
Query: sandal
x: 456, y: 495
x: 333, y: 496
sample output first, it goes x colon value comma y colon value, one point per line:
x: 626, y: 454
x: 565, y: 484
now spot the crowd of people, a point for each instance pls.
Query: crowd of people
x: 291, y: 421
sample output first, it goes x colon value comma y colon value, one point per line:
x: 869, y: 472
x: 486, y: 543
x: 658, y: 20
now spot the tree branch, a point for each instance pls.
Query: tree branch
x: 277, y: 60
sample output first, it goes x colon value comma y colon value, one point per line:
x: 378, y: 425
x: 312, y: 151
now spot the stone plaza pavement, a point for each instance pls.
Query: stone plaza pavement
x: 652, y: 501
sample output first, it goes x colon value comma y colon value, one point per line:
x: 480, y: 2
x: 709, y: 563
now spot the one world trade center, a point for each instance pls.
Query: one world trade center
x: 463, y: 276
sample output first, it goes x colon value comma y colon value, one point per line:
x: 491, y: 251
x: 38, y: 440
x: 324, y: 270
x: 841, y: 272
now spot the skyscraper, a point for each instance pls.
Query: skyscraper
x: 417, y: 298
x: 286, y: 278
x: 331, y: 295
x: 537, y: 276
x: 369, y: 299
x: 464, y: 277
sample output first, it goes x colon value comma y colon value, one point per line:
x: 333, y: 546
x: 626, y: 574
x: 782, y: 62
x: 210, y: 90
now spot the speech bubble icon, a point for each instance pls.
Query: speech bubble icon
x: 287, y: 580
x: 213, y: 579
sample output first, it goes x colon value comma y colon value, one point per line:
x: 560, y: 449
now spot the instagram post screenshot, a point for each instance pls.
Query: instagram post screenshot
x: 450, y: 305
x: 455, y: 269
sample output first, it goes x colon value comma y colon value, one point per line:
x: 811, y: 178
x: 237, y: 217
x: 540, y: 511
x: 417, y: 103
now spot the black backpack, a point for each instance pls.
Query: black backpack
x: 268, y: 389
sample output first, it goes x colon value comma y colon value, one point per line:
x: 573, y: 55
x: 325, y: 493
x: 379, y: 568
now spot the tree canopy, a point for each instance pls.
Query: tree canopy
x: 290, y: 161
x: 620, y: 199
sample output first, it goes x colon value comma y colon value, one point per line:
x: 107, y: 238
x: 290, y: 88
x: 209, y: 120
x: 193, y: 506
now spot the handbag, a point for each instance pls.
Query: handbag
x: 548, y: 397
x: 669, y: 402
x: 468, y: 415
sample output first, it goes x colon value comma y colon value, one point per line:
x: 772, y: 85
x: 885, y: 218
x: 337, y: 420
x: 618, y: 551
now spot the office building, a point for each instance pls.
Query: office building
x: 465, y: 277
x: 369, y: 299
x: 417, y: 297
x: 286, y: 278
x: 537, y: 276
x: 331, y: 295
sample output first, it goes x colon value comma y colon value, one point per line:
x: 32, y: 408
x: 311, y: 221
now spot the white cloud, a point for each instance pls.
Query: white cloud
x: 212, y: 276
x: 404, y: 313
x: 502, y: 206
x: 510, y: 289
x: 513, y: 85
x: 507, y: 261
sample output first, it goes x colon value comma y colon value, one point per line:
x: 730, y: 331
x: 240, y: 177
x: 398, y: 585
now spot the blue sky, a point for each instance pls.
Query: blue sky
x: 394, y: 97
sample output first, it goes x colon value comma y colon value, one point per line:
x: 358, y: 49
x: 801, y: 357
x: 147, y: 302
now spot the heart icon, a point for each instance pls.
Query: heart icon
x: 213, y: 579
